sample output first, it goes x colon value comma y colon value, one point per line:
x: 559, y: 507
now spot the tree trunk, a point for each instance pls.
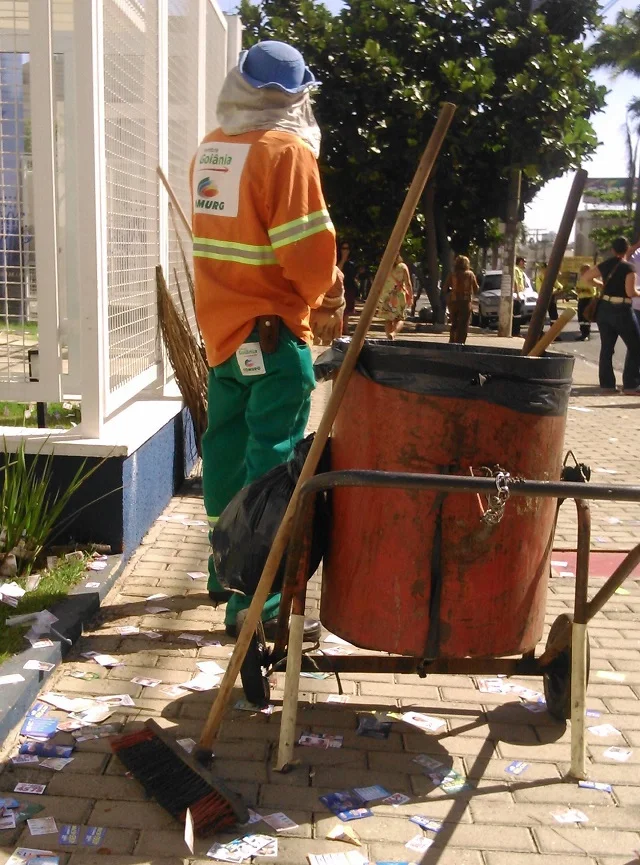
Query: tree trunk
x: 636, y: 215
x: 433, y: 270
x: 505, y: 316
x: 495, y: 252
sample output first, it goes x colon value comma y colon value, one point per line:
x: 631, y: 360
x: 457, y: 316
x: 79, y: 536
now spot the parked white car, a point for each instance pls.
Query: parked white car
x: 485, y: 305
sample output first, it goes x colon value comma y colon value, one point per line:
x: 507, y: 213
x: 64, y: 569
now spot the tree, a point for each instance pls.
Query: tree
x: 618, y: 46
x: 520, y: 82
x: 618, y: 49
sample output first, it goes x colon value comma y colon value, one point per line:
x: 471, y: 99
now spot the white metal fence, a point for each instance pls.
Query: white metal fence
x: 94, y: 94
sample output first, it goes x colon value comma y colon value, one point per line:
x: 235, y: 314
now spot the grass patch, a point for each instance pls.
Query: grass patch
x: 30, y: 327
x: 58, y: 415
x: 54, y: 586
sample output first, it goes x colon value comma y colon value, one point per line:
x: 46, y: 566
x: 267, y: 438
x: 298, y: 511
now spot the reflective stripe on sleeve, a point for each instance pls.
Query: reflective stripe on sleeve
x: 300, y: 228
x: 241, y: 253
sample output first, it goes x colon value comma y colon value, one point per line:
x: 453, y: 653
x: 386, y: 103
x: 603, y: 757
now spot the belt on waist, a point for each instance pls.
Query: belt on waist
x: 611, y: 299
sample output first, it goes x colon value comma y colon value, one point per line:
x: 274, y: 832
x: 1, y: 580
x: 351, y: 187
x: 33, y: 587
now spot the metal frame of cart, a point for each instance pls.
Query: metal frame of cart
x: 563, y: 664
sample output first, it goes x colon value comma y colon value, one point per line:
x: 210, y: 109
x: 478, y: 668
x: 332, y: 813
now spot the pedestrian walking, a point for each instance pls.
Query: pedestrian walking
x: 459, y: 288
x: 349, y: 271
x: 614, y: 317
x: 264, y: 254
x: 396, y: 296
x: 586, y: 291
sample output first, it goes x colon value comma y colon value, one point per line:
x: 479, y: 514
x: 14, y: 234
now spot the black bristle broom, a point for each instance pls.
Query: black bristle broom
x: 177, y: 782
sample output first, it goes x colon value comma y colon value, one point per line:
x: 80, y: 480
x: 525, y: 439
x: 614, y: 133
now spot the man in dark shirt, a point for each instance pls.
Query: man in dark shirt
x: 615, y: 318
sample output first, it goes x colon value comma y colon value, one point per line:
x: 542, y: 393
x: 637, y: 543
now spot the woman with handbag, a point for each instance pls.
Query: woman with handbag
x: 614, y: 316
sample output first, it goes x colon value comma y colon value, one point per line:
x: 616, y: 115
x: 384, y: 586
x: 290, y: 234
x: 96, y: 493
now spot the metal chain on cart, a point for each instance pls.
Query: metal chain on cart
x: 496, y: 503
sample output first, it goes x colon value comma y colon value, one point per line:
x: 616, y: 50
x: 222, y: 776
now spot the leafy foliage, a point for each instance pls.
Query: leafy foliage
x: 520, y: 82
x: 30, y: 507
x: 618, y: 47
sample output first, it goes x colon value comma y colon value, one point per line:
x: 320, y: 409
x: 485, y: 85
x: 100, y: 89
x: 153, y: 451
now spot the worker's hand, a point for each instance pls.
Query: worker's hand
x: 337, y: 289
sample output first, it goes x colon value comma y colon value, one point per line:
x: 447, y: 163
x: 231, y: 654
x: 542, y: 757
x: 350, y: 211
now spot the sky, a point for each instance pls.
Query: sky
x: 545, y: 212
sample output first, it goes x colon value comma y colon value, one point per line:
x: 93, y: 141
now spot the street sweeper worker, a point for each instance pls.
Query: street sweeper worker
x: 264, y: 257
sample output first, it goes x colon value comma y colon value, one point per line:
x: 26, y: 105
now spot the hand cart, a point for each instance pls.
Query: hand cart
x: 564, y: 664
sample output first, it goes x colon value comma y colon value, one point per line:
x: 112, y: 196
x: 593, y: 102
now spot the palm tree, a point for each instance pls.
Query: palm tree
x: 618, y: 49
x: 618, y: 46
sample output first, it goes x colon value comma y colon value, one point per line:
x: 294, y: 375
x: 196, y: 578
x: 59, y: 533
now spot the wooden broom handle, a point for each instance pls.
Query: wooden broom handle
x: 174, y: 201
x: 283, y: 534
x: 552, y: 333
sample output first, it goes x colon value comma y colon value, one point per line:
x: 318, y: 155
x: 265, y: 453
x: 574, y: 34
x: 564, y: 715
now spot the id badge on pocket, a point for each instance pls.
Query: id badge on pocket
x: 250, y: 359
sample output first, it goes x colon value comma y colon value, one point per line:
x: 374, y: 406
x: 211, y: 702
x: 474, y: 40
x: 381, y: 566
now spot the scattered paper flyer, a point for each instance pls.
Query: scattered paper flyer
x: 150, y: 608
x: 210, y: 667
x: 338, y: 651
x: 621, y: 755
x: 197, y: 575
x: 95, y: 714
x: 344, y: 833
x: 369, y: 794
x: 30, y: 856
x: 427, y: 762
x: 103, y: 660
x: 146, y: 682
x: 93, y: 836
x: 12, y: 679
x: 419, y: 843
x: 188, y: 745
x: 320, y: 740
x: 116, y: 700
x: 570, y: 815
x: 517, y: 767
x: 152, y: 635
x: 56, y: 763
x: 39, y: 665
x: 279, y: 821
x: 426, y: 823
x: 8, y: 821
x: 337, y: 698
x: 191, y: 638
x: 492, y: 686
x: 596, y: 785
x: 424, y: 722
x: 128, y: 630
x: 396, y: 799
x: 372, y: 727
x: 352, y: 857
x: 21, y: 759
x: 157, y: 597
x: 610, y: 675
x: 174, y: 691
x: 345, y: 802
x: 85, y: 676
x: 43, y: 826
x: 189, y: 831
x: 604, y: 730
x: 201, y: 682
x: 69, y: 835
x: 44, y: 749
x: 332, y: 638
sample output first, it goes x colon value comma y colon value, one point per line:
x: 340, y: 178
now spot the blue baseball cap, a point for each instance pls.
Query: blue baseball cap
x: 276, y: 64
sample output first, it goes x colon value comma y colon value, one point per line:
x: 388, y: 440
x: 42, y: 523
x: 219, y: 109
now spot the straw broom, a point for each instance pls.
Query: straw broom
x: 185, y: 355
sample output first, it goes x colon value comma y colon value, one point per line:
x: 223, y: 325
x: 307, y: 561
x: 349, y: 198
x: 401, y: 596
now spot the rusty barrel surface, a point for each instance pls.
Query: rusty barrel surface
x: 420, y: 573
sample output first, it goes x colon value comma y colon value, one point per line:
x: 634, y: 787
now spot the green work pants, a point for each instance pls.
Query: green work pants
x: 254, y: 423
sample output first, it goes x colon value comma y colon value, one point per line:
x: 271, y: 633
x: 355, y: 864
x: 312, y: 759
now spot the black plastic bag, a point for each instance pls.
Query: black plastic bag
x: 245, y: 531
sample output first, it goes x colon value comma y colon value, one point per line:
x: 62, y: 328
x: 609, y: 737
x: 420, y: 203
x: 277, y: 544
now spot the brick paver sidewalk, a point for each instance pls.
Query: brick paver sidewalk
x: 499, y: 820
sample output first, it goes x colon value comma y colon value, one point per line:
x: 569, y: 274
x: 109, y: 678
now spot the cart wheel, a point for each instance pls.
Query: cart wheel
x: 254, y: 683
x: 557, y: 676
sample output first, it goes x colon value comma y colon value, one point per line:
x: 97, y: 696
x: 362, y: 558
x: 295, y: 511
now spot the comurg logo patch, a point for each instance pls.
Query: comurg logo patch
x: 207, y: 188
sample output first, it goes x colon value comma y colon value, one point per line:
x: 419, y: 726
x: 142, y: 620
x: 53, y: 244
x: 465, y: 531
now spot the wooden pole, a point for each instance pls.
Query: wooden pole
x: 174, y: 201
x: 281, y: 539
x: 564, y: 319
x: 555, y: 260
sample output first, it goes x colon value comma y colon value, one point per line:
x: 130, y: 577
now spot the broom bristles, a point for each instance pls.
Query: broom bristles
x: 185, y: 355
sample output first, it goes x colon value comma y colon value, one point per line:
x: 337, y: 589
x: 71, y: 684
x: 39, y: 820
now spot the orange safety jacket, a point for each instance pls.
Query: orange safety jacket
x: 263, y: 242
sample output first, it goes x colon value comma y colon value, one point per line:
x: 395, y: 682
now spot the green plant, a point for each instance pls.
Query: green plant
x: 53, y: 587
x: 30, y: 509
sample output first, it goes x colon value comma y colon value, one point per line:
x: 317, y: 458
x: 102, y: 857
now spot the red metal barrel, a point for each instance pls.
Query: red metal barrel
x: 419, y: 573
